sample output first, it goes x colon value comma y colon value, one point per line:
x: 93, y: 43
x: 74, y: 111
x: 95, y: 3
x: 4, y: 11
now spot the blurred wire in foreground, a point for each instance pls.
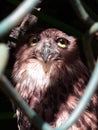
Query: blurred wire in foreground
x: 81, y: 12
x: 16, y: 16
x: 91, y: 87
x: 85, y: 17
x: 7, y: 87
x: 4, y: 55
x: 9, y: 90
x: 87, y: 40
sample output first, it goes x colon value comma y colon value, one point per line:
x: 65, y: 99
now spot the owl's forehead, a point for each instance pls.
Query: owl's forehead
x: 49, y: 33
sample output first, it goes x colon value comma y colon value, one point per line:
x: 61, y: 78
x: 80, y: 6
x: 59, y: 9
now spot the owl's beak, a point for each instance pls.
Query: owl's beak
x: 46, y: 54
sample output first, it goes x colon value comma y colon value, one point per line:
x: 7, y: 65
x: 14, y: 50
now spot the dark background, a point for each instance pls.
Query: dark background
x: 54, y: 9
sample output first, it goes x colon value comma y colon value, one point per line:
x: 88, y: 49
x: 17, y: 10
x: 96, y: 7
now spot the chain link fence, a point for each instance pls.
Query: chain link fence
x: 5, y: 85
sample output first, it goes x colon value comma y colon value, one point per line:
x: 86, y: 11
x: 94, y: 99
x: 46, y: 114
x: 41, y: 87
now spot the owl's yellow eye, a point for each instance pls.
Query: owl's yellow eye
x: 33, y: 40
x: 62, y: 42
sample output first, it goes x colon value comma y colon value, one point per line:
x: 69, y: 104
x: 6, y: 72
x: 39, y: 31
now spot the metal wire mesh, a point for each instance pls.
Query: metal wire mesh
x: 6, y: 86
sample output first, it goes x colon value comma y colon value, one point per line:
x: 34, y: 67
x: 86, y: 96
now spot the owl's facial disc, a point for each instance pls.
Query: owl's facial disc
x: 46, y: 53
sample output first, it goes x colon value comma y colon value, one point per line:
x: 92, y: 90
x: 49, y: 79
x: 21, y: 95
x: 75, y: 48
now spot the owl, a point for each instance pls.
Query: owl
x: 50, y: 76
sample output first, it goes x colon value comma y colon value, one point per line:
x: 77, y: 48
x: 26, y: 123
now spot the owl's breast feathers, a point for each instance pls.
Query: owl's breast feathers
x: 52, y: 85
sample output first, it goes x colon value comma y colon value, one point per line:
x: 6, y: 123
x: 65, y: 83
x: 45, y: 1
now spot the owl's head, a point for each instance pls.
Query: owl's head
x: 49, y: 46
x: 47, y: 58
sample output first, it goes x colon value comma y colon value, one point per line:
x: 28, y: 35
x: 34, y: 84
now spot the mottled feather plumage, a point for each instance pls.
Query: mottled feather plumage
x: 51, y: 78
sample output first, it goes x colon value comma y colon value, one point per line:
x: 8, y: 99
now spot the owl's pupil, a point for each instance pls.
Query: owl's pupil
x: 62, y: 41
x: 34, y: 40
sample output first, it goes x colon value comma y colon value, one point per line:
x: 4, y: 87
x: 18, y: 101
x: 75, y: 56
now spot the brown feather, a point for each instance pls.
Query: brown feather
x: 52, y: 79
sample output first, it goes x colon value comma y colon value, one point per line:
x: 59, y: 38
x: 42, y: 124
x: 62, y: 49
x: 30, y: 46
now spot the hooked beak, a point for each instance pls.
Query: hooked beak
x: 46, y: 54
